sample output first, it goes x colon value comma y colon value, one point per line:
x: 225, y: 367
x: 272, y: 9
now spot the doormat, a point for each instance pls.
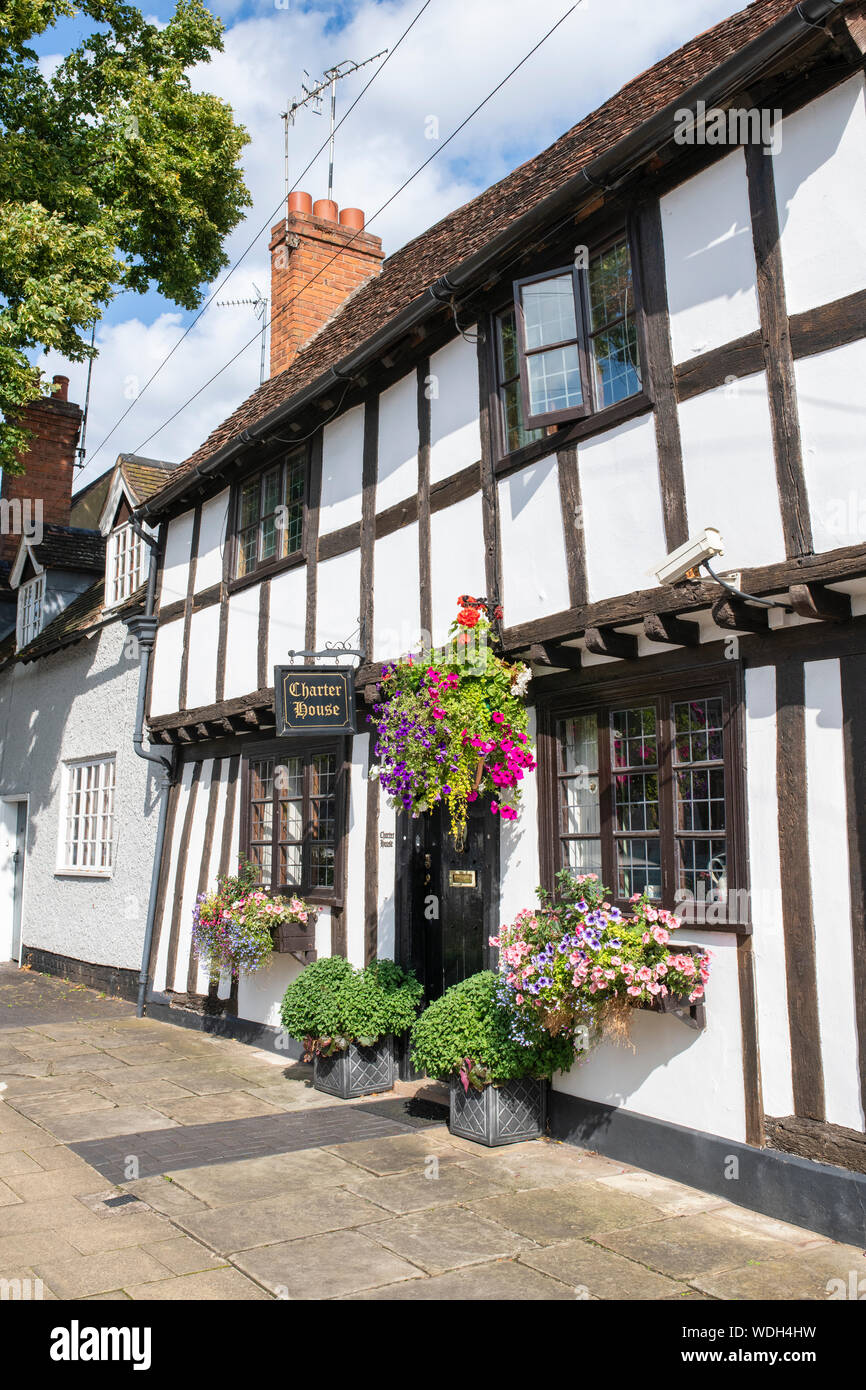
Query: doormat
x: 410, y: 1110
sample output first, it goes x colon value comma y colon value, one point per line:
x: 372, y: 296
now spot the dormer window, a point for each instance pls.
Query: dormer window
x: 126, y: 564
x: 31, y: 603
x: 576, y: 344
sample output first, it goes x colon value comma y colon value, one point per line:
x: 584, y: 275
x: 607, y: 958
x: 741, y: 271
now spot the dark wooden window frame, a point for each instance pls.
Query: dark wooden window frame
x: 661, y: 690
x: 267, y: 568
x: 554, y: 417
x: 290, y: 748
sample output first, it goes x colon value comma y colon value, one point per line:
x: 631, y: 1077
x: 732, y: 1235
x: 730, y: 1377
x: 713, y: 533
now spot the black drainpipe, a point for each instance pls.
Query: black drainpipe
x: 143, y: 627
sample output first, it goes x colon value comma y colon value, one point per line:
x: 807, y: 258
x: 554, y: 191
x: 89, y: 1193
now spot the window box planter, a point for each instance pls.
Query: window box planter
x: 356, y: 1071
x: 506, y: 1114
x: 296, y: 939
x: 692, y: 1015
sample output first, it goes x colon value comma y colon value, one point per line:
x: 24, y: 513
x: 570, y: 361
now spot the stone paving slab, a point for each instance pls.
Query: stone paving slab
x: 552, y: 1214
x: 505, y: 1280
x: 593, y: 1272
x: 325, y: 1266
x: 272, y: 1219
x: 692, y: 1245
x: 446, y: 1238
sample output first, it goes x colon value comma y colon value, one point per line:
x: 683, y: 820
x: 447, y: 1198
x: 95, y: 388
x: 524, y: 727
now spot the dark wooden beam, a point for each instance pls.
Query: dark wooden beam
x: 822, y: 1142
x: 853, y: 678
x: 202, y: 731
x: 817, y: 601
x: 251, y: 716
x: 425, y: 579
x: 369, y: 471
x: 735, y: 615
x: 666, y: 627
x: 184, y: 734
x: 606, y: 641
x: 572, y: 525
x: 554, y: 654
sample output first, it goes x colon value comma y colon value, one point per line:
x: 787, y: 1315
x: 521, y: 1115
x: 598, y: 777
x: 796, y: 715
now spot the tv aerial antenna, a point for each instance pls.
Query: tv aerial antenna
x: 259, y: 305
x: 312, y: 96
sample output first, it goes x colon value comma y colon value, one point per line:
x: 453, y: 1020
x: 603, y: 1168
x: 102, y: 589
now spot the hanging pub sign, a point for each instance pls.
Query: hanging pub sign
x: 314, y: 700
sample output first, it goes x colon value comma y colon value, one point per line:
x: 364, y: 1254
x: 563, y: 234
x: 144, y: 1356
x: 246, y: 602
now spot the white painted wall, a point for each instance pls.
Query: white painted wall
x: 456, y: 560
x: 163, y: 923
x: 621, y: 500
x: 219, y: 773
x: 211, y: 541
x: 768, y: 941
x: 727, y: 458
x: 342, y: 470
x: 831, y: 394
x: 396, y: 597
x: 398, y: 443
x: 178, y: 552
x: 387, y: 881
x: 535, y: 574
x: 189, y: 888
x: 242, y: 643
x: 355, y: 849
x: 204, y: 632
x: 519, y: 874
x: 674, y: 1073
x: 98, y: 919
x: 167, y: 655
x: 455, y: 431
x: 709, y: 259
x: 338, y: 599
x: 820, y: 175
x: 831, y: 898
x: 288, y: 615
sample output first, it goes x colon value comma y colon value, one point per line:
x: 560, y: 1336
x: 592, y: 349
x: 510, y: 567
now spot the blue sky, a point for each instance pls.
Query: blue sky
x: 454, y: 56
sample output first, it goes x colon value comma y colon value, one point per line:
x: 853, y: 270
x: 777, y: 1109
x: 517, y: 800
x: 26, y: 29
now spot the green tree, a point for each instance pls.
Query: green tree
x: 114, y: 175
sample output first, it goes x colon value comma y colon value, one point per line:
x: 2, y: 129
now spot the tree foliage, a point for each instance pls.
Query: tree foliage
x: 114, y: 175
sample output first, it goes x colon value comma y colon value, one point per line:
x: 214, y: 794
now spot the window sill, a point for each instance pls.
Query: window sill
x: 266, y: 572
x: 83, y: 873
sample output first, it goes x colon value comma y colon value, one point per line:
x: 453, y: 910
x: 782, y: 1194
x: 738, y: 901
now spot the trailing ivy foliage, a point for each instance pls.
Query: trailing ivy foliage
x: 115, y: 174
x: 331, y: 1004
x: 468, y: 1031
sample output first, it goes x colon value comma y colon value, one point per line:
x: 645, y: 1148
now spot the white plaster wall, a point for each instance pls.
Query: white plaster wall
x: 220, y: 774
x: 831, y: 394
x: 355, y: 849
x: 211, y: 540
x: 820, y: 175
x: 831, y: 898
x: 189, y: 887
x: 225, y: 985
x: 163, y: 924
x: 456, y: 560
x: 204, y: 630
x: 768, y: 940
x: 535, y: 574
x: 396, y: 594
x: 455, y: 430
x: 621, y: 499
x: 342, y: 470
x: 288, y: 615
x: 520, y: 874
x: 260, y: 994
x: 727, y: 458
x: 674, y: 1073
x: 167, y: 654
x: 175, y: 565
x: 398, y: 443
x: 96, y: 919
x: 709, y: 259
x: 242, y: 643
x: 338, y: 599
x: 387, y: 933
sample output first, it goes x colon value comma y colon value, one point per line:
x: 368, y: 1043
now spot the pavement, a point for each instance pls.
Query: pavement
x: 146, y: 1161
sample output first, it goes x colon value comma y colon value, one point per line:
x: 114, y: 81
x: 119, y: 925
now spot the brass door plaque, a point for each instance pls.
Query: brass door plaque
x: 461, y: 878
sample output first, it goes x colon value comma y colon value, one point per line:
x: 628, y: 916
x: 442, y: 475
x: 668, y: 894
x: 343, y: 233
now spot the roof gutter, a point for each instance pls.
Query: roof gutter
x: 603, y: 174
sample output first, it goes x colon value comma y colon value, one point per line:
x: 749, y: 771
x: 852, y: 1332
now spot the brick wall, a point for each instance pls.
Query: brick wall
x: 308, y: 244
x: 49, y: 463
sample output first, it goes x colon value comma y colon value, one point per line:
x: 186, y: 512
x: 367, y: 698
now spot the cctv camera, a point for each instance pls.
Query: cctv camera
x: 687, y: 557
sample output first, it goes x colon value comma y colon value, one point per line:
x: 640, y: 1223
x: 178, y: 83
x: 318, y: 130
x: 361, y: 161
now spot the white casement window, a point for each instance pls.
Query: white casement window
x: 87, y: 820
x: 126, y: 565
x: 31, y: 601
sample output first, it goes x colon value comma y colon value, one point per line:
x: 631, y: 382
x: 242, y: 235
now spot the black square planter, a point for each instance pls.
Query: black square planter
x: 356, y: 1071
x: 507, y: 1114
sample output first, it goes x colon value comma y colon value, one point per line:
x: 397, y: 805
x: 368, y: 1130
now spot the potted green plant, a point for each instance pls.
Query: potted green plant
x: 347, y: 1020
x: 498, y: 1073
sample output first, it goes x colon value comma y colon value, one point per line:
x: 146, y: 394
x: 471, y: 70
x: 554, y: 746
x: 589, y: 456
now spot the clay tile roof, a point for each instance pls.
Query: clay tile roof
x: 408, y: 272
x: 70, y: 548
x: 145, y: 476
x: 84, y: 614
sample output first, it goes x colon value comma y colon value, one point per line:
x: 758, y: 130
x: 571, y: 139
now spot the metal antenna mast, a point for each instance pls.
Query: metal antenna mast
x: 258, y: 305
x: 313, y: 95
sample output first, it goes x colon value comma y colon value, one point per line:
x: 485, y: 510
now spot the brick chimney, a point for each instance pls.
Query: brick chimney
x: 315, y: 241
x: 49, y: 461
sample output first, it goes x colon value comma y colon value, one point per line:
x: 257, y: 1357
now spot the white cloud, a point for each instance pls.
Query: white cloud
x: 454, y: 56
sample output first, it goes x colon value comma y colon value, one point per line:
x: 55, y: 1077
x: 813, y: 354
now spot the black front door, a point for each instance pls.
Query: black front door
x: 447, y: 898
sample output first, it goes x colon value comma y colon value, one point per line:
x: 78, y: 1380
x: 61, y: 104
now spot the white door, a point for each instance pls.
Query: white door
x: 13, y: 844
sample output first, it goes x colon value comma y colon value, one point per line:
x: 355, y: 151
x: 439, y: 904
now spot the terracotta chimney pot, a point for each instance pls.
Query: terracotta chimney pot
x: 325, y: 209
x: 300, y: 202
x: 353, y: 218
x: 62, y: 392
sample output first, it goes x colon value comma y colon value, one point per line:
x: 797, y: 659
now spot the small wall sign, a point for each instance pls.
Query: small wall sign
x: 461, y: 878
x: 386, y: 839
x: 314, y: 700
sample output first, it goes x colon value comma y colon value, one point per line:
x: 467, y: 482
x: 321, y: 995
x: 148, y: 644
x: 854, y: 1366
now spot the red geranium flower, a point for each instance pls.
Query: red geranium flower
x: 468, y: 617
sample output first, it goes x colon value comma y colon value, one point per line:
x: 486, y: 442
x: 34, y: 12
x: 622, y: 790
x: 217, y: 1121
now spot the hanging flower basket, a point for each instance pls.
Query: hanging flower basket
x: 452, y: 724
